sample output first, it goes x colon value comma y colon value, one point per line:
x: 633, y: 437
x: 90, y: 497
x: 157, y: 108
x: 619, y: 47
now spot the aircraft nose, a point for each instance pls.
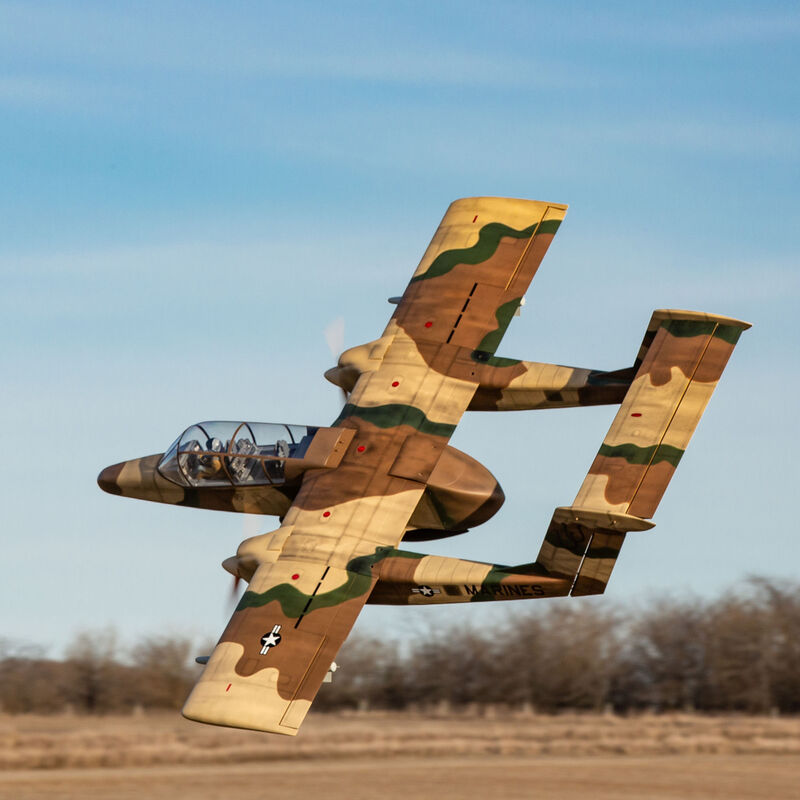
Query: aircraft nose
x: 107, y: 479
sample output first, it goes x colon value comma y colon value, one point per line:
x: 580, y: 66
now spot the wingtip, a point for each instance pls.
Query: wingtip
x: 700, y: 316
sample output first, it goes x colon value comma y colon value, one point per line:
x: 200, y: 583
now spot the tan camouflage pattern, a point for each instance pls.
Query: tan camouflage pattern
x: 506, y: 384
x: 403, y: 409
x: 398, y: 478
x: 138, y: 478
x: 415, y: 579
x: 460, y: 492
x: 531, y: 385
x: 678, y: 367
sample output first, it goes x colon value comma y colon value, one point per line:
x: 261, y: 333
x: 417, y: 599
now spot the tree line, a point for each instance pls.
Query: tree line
x: 737, y: 652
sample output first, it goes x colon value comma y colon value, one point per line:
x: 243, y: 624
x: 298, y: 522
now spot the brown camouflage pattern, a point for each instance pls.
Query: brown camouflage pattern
x: 531, y: 385
x: 460, y: 493
x: 504, y: 384
x: 414, y: 579
x: 398, y: 477
x: 139, y: 478
x: 678, y: 367
x: 403, y: 411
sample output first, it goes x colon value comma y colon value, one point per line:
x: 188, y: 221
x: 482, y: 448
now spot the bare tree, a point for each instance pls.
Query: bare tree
x: 782, y: 603
x: 164, y: 670
x: 28, y: 681
x: 563, y: 657
x: 662, y: 663
x: 738, y: 652
x: 93, y: 680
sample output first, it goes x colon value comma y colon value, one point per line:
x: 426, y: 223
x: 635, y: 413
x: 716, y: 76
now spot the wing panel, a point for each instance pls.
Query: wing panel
x: 660, y: 412
x: 477, y: 268
x: 477, y: 315
x: 278, y: 646
x: 680, y: 363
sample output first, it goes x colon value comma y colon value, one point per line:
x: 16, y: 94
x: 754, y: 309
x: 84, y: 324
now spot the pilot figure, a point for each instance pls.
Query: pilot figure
x: 209, y: 466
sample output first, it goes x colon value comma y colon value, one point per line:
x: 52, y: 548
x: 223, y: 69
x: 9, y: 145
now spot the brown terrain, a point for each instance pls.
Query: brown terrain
x: 403, y: 755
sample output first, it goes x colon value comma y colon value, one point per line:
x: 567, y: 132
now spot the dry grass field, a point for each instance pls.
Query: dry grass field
x: 400, y: 755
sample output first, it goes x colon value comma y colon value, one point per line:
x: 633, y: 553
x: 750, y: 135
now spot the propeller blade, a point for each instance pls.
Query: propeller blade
x: 233, y: 599
x: 334, y: 336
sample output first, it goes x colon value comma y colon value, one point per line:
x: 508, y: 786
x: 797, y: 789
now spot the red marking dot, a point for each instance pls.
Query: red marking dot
x: 636, y: 414
x: 295, y: 576
x: 428, y: 324
x: 474, y: 218
x: 326, y: 513
x: 361, y: 448
x: 395, y: 383
x: 228, y: 687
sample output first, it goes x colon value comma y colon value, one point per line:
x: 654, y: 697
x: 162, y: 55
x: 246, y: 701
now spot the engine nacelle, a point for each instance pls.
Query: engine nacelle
x: 460, y: 494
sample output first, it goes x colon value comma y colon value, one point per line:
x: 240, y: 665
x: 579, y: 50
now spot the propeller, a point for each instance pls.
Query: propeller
x: 233, y: 599
x: 250, y: 525
x: 334, y: 336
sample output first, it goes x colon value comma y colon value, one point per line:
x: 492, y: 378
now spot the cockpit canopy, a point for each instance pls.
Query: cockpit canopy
x: 234, y: 453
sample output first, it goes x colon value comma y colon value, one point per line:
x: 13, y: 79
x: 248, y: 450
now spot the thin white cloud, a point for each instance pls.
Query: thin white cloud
x: 252, y: 48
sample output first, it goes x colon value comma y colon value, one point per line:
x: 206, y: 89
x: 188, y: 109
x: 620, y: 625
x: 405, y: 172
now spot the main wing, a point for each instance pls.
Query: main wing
x: 278, y: 646
x: 476, y: 271
x: 308, y: 590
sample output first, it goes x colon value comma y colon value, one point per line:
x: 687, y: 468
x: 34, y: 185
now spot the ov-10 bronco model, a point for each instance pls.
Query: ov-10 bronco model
x: 348, y: 495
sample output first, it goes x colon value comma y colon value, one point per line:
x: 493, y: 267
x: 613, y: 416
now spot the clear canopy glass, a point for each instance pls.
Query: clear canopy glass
x: 234, y: 453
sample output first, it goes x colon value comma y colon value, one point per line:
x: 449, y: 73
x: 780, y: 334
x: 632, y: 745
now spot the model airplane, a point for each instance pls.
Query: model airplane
x: 348, y: 495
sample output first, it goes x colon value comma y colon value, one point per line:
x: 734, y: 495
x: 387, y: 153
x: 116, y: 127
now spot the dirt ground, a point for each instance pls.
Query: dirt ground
x: 409, y: 756
x: 614, y: 778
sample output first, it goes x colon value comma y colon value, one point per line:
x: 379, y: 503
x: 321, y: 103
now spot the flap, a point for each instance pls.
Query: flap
x: 418, y: 456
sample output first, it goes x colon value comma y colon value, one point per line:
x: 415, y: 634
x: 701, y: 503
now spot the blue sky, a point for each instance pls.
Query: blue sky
x: 191, y: 192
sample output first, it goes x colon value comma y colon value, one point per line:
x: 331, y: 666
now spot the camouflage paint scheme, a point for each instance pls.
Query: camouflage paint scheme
x: 460, y: 492
x: 396, y: 476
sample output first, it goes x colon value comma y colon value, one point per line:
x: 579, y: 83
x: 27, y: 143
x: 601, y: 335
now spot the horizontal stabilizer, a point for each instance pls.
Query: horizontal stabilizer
x: 601, y: 519
x: 678, y: 372
x: 679, y: 364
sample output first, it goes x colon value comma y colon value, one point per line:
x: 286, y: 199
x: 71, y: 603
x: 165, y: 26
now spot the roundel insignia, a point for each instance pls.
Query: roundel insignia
x: 271, y: 639
x: 425, y: 591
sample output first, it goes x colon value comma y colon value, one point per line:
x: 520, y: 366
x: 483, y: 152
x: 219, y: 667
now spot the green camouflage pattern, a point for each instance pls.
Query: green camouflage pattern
x: 460, y: 492
x: 415, y: 579
x: 403, y: 409
x: 396, y: 477
x: 679, y: 364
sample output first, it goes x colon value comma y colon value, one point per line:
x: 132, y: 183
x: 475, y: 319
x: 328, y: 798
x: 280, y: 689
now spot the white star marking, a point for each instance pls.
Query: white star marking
x: 426, y: 591
x: 271, y: 639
